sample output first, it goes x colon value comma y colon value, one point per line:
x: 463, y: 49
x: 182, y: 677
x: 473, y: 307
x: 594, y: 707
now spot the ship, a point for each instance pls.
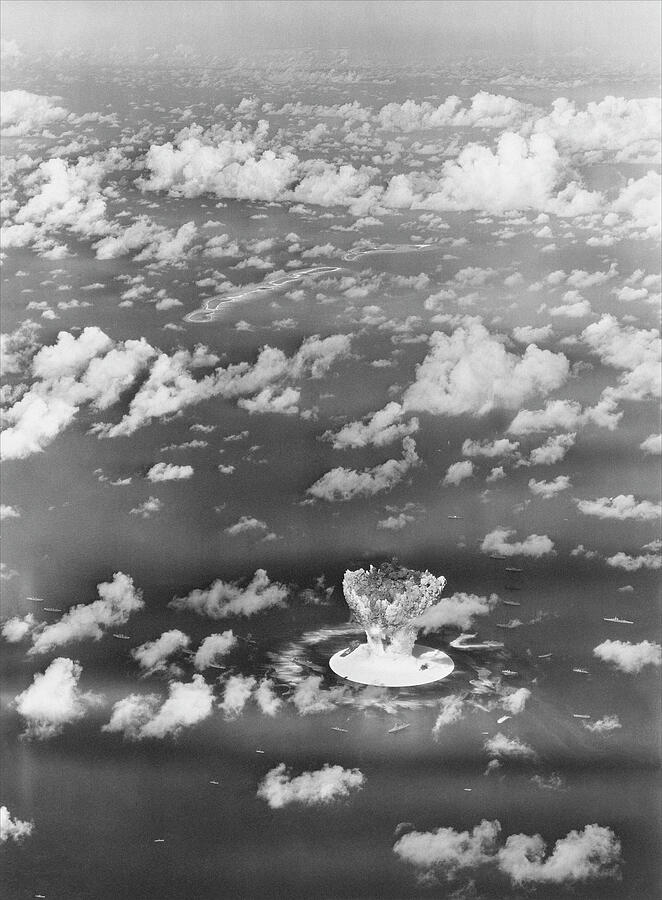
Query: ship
x: 337, y: 728
x: 581, y: 671
x: 52, y: 609
x: 36, y: 599
x: 511, y: 602
x: 544, y: 656
x: 399, y: 726
x: 462, y: 643
x: 503, y: 719
x: 580, y: 716
x: 454, y: 517
x: 617, y: 620
x: 509, y: 672
x: 121, y: 637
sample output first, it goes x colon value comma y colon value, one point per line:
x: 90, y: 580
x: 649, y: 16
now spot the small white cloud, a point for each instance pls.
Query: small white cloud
x: 502, y: 747
x: 451, y: 709
x: 322, y: 786
x: 549, y: 489
x: 147, y: 509
x: 169, y: 472
x: 459, y: 610
x: 498, y: 542
x: 153, y: 656
x: 458, y: 472
x: 604, y: 725
x: 18, y: 627
x: 213, y: 648
x: 628, y: 657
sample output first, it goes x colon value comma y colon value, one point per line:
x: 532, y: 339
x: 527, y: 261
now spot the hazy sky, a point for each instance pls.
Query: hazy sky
x: 412, y: 28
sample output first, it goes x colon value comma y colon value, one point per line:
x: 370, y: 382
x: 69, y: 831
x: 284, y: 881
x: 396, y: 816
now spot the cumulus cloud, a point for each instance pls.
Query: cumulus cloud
x: 459, y: 610
x: 652, y: 445
x: 627, y: 130
x: 515, y: 702
x: 266, y: 698
x: 490, y: 449
x: 13, y: 829
x: 148, y: 508
x: 451, y: 709
x: 213, y: 648
x: 549, y: 489
x: 629, y: 563
x: 309, y: 697
x: 153, y: 656
x: 228, y: 598
x: 553, y: 450
x: 518, y: 174
x: 53, y: 700
x: 604, y: 725
x: 316, y: 788
x: 74, y: 371
x: 566, y: 415
x: 635, y: 351
x: 237, y: 692
x: 169, y: 472
x: 622, y: 507
x: 639, y: 201
x: 593, y: 852
x: 245, y: 524
x: 139, y: 716
x: 22, y: 112
x: 345, y: 484
x: 498, y: 542
x: 117, y: 600
x: 171, y: 386
x: 502, y: 747
x: 458, y: 472
x: 485, y: 111
x: 381, y: 428
x: 470, y: 371
x: 444, y: 852
x: 628, y: 657
x: 18, y: 627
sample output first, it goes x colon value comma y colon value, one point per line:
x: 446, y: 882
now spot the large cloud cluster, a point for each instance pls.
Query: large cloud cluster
x: 635, y: 351
x: 139, y: 716
x: 22, y: 112
x: 627, y: 129
x: 470, y: 371
x: 485, y: 111
x: 92, y: 369
x: 593, y: 852
x: 118, y: 599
